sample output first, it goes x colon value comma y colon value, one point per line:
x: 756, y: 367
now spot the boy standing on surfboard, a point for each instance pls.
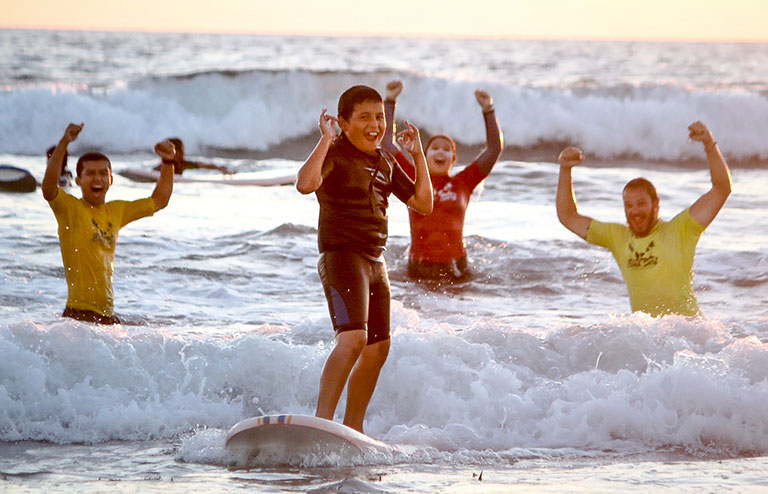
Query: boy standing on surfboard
x: 353, y: 179
x: 88, y: 227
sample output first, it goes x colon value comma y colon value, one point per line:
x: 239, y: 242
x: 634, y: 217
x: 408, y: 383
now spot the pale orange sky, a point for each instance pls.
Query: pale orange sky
x: 715, y: 20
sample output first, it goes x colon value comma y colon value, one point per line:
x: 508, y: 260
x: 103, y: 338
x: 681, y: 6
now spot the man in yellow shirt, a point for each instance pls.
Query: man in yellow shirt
x: 88, y: 227
x: 655, y: 256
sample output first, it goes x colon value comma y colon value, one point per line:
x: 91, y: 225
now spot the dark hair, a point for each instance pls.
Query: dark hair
x: 91, y: 156
x: 644, y: 184
x: 354, y: 96
x: 179, y: 148
x: 49, y: 153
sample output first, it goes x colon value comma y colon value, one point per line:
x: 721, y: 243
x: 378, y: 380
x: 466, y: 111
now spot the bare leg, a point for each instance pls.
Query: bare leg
x: 349, y: 346
x: 362, y: 382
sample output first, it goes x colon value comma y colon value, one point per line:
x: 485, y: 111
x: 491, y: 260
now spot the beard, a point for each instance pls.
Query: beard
x: 641, y: 224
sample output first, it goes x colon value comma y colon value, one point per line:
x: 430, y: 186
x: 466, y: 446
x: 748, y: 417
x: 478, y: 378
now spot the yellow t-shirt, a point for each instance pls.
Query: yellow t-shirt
x: 658, y: 268
x: 88, y: 235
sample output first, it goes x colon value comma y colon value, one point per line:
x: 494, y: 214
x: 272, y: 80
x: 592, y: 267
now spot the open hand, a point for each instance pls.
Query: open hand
x: 571, y: 156
x: 410, y: 139
x: 166, y: 150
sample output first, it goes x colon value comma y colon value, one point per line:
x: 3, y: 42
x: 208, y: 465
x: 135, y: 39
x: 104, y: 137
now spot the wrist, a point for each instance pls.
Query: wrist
x: 710, y: 146
x: 168, y: 162
x: 390, y: 100
x: 488, y: 109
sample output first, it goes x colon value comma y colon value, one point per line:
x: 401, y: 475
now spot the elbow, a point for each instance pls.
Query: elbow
x: 497, y: 146
x: 49, y: 194
x: 304, y: 188
x: 565, y: 218
x: 727, y: 189
x: 160, y: 204
x: 161, y: 201
x: 424, y: 207
x: 496, y: 153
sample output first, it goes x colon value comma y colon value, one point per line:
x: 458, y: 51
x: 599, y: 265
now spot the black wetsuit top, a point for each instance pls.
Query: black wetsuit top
x: 354, y: 198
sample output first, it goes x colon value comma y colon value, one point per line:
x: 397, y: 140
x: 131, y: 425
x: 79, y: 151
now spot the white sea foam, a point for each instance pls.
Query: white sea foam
x: 631, y: 383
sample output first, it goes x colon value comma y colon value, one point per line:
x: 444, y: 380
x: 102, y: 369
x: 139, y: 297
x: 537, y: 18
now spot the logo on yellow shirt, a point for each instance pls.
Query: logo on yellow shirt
x: 104, y: 237
x: 640, y: 260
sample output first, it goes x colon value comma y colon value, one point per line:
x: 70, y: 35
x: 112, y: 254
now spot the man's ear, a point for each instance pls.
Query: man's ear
x: 77, y: 181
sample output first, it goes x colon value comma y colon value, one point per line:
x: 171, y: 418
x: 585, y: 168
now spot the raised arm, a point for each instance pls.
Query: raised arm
x: 567, y: 211
x: 53, y: 169
x: 162, y: 193
x: 494, y: 141
x: 421, y: 201
x: 708, y: 205
x: 310, y: 176
x: 392, y: 91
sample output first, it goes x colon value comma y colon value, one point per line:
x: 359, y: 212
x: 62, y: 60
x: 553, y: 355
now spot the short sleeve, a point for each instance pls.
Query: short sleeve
x: 134, y: 210
x: 689, y: 228
x: 604, y: 234
x: 61, y: 204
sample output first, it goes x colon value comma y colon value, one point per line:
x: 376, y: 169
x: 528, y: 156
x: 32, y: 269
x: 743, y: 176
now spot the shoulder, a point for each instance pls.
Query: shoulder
x: 684, y: 221
x: 63, y: 199
x: 471, y: 172
x: 601, y: 232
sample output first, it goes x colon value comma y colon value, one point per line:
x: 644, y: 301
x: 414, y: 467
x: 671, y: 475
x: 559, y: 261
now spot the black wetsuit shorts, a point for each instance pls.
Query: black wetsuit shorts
x: 456, y: 271
x: 89, y: 316
x: 358, y: 293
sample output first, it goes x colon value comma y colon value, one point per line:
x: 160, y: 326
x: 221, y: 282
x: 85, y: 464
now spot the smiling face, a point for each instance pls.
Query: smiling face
x: 440, y: 156
x: 365, y: 127
x: 641, y: 210
x: 94, y: 180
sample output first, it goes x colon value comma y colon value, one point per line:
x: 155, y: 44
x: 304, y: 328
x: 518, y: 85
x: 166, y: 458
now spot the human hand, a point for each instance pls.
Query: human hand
x: 166, y: 150
x: 697, y: 131
x: 328, y: 125
x: 484, y: 99
x: 410, y: 139
x: 570, y: 157
x: 71, y: 133
x: 393, y: 89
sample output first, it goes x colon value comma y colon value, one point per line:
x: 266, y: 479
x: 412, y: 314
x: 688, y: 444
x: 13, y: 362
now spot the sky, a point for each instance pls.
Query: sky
x: 694, y: 20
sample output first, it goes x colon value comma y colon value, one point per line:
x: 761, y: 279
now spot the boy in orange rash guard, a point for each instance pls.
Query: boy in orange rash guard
x: 437, y: 240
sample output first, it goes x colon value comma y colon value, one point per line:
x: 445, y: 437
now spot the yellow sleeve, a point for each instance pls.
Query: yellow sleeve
x: 134, y: 210
x: 61, y: 205
x: 604, y: 234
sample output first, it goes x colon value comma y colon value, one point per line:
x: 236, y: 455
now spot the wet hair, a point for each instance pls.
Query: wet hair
x: 442, y: 136
x: 354, y: 96
x: 643, y: 184
x: 179, y: 148
x: 91, y: 156
x: 49, y: 153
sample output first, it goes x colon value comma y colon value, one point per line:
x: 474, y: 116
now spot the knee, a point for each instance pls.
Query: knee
x: 352, y: 342
x: 378, y: 352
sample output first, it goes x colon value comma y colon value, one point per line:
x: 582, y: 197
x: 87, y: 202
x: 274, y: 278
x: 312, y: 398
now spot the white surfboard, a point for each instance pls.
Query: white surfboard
x: 276, y: 437
x: 142, y: 175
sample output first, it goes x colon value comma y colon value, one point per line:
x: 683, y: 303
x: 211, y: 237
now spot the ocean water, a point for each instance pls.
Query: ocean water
x: 534, y: 374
